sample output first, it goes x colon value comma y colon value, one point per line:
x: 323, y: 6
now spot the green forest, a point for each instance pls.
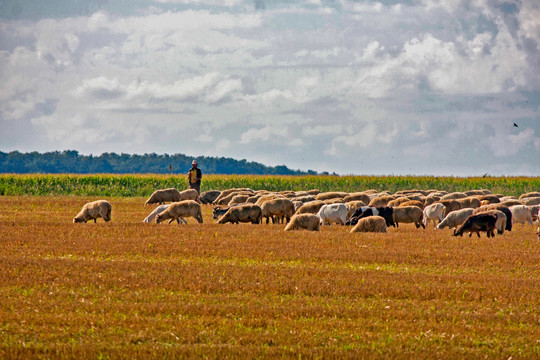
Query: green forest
x: 70, y: 161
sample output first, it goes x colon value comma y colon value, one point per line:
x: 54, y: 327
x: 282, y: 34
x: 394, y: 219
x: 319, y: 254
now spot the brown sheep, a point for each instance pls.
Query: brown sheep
x: 227, y: 193
x: 381, y: 201
x: 409, y: 214
x: 227, y: 198
x: 370, y: 224
x: 209, y: 196
x: 489, y: 199
x: 268, y: 197
x: 311, y: 207
x: 242, y: 213
x: 529, y: 194
x: 164, y: 195
x: 418, y: 203
x: 469, y: 202
x: 181, y: 209
x: 93, y: 210
x: 398, y: 201
x: 509, y: 203
x: 331, y: 195
x: 277, y: 209
x: 304, y: 222
x: 334, y: 201
x: 357, y: 196
x: 238, y: 199
x: 450, y: 205
x: 454, y: 196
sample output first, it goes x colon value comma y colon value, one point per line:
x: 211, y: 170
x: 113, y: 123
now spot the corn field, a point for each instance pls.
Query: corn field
x: 144, y: 185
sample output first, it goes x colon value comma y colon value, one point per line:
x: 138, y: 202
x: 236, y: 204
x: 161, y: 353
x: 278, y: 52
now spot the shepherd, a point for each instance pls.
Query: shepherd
x: 195, y: 176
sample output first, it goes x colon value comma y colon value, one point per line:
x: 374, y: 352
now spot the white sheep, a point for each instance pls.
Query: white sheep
x: 521, y: 214
x: 157, y: 211
x: 181, y: 209
x: 455, y: 218
x: 93, y: 210
x: 330, y: 213
x: 433, y: 212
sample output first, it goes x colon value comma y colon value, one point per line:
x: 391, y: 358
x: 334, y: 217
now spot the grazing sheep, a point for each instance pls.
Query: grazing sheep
x: 477, y: 223
x: 531, y: 201
x: 521, y: 214
x: 469, y: 202
x: 330, y: 213
x: 239, y: 199
x: 331, y: 195
x: 499, y: 207
x: 529, y: 194
x: 455, y: 218
x: 277, y: 209
x: 398, y: 201
x: 164, y: 195
x: 334, y: 201
x: 157, y: 211
x: 242, y: 213
x: 431, y: 200
x: 268, y: 197
x: 381, y: 201
x: 227, y: 192
x: 474, y: 192
x: 418, y: 203
x: 181, y: 209
x: 361, y: 196
x: 454, y: 196
x: 370, y: 224
x: 433, y: 212
x: 209, y: 196
x: 93, y: 210
x: 509, y: 203
x: 408, y: 214
x: 227, y: 198
x: 450, y: 205
x: 489, y: 199
x: 297, y: 205
x: 313, y: 192
x: 501, y: 219
x: 304, y: 199
x: 304, y: 222
x: 534, y: 212
x: 311, y: 207
x: 219, y: 212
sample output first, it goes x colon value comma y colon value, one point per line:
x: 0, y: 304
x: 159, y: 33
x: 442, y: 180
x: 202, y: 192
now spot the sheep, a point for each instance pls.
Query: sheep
x: 450, y: 205
x: 331, y: 195
x: 304, y: 199
x: 499, y: 207
x: 475, y: 192
x: 370, y: 224
x: 357, y: 196
x: 304, y: 222
x: 227, y: 198
x: 329, y: 213
x: 93, y: 210
x: 238, y: 199
x: 490, y: 199
x: 531, y: 201
x: 219, y: 212
x: 311, y: 207
x: 209, y: 196
x: 529, y: 194
x: 534, y: 212
x: 418, y: 203
x: 386, y: 212
x: 156, y: 211
x: 408, y: 214
x: 433, y: 212
x: 313, y: 192
x: 381, y: 200
x: 268, y: 197
x: 454, y: 196
x: 227, y: 192
x: 469, y: 202
x: 334, y: 201
x: 398, y: 201
x: 521, y: 214
x: 242, y: 213
x: 501, y: 219
x: 455, y: 218
x: 181, y: 209
x: 509, y: 203
x: 477, y: 223
x: 277, y: 209
x: 164, y: 195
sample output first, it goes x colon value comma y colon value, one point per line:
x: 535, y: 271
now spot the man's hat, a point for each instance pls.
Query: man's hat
x: 194, y: 162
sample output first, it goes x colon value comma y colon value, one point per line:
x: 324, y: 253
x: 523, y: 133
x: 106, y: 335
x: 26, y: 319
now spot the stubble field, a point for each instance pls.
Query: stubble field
x: 125, y: 289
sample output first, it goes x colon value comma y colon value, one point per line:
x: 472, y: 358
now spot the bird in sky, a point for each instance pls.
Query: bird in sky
x: 515, y: 125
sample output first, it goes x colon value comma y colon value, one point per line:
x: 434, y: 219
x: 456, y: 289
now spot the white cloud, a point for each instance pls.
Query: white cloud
x: 267, y: 133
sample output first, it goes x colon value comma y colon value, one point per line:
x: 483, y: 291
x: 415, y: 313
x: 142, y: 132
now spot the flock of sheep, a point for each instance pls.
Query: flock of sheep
x: 367, y: 211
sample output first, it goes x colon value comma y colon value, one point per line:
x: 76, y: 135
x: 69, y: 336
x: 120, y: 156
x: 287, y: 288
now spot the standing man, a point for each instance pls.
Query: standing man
x: 194, y: 177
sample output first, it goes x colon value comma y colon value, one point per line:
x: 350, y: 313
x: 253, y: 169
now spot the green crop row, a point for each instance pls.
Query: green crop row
x: 144, y: 185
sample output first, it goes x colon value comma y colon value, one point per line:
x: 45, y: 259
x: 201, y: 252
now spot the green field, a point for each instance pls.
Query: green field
x: 144, y: 185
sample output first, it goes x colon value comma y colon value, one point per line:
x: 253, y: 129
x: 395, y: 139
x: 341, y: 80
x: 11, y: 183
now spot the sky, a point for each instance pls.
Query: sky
x: 419, y: 87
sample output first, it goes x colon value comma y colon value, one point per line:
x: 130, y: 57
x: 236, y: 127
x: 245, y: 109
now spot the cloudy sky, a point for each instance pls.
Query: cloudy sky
x: 347, y: 86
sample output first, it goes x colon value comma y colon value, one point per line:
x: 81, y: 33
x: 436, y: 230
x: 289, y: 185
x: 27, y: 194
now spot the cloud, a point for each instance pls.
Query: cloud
x: 268, y: 133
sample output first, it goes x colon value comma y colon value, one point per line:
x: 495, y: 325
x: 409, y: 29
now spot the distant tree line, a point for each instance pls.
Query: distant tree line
x: 70, y: 161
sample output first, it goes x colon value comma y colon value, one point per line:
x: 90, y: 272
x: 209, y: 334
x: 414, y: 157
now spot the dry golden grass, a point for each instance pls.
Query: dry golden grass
x: 125, y: 289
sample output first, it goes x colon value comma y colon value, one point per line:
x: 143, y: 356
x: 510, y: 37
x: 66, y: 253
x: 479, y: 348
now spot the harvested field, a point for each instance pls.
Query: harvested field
x: 125, y: 289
